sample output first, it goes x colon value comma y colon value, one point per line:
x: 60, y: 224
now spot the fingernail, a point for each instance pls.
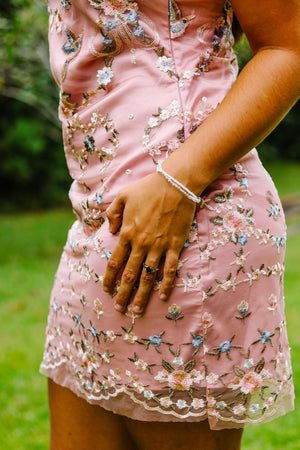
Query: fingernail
x: 118, y: 307
x: 162, y: 296
x: 137, y: 309
x: 105, y: 289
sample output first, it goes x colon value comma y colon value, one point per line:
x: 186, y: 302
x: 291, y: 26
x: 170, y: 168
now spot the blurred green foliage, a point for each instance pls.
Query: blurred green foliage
x: 33, y: 172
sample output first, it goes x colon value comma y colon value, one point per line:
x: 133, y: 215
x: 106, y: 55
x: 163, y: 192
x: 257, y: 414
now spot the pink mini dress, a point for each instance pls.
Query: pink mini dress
x: 137, y: 78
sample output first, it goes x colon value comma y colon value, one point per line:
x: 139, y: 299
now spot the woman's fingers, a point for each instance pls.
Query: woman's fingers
x: 147, y: 278
x: 128, y: 280
x: 170, y: 267
x: 115, y: 213
x: 114, y: 265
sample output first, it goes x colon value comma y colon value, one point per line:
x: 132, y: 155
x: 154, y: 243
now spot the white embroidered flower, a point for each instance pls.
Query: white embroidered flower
x: 138, y: 387
x: 104, y: 76
x: 212, y: 378
x: 130, y: 338
x: 251, y: 382
x: 254, y: 408
x: 110, y: 335
x: 153, y: 122
x: 140, y: 364
x: 181, y: 404
x: 165, y: 401
x: 272, y: 302
x: 165, y: 64
x: 148, y: 394
x: 178, y: 361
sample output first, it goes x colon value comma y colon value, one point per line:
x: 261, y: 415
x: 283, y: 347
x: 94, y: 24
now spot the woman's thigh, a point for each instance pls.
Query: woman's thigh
x: 76, y: 424
x: 184, y: 436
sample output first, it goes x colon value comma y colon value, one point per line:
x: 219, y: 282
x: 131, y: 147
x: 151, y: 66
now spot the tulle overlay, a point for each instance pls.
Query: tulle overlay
x: 136, y: 79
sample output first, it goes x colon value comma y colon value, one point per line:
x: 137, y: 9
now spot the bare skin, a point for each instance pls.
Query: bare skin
x: 75, y: 424
x: 263, y: 93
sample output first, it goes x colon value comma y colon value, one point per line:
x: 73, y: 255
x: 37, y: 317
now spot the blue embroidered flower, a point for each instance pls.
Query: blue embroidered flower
x: 224, y: 30
x: 243, y: 239
x: 99, y: 199
x: 274, y: 210
x: 277, y: 241
x: 55, y: 307
x: 283, y: 240
x: 155, y: 340
x: 107, y: 254
x: 225, y: 346
x: 93, y: 330
x: 138, y: 31
x: 245, y: 182
x: 174, y: 310
x: 132, y: 16
x: 265, y: 336
x: 216, y: 40
x: 110, y: 24
x: 89, y: 143
x: 221, y: 405
x: 106, y: 40
x: 65, y: 3
x: 205, y: 62
x: 198, y: 341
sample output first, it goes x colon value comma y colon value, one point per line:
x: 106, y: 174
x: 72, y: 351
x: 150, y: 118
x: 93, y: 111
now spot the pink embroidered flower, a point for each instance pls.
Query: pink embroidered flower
x: 211, y: 401
x: 138, y: 387
x: 251, y: 382
x: 198, y: 403
x: 212, y: 378
x: 180, y: 380
x: 238, y: 410
x: 269, y: 402
x: 165, y: 401
x: 233, y: 221
x: 272, y: 302
x: 111, y: 7
x: 203, y: 296
x: 98, y: 307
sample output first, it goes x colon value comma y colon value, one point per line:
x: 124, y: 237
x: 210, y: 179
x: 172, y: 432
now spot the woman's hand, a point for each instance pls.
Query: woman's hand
x: 156, y: 220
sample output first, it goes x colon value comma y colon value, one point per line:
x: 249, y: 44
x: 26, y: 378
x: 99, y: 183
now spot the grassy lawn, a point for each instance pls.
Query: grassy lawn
x: 30, y: 246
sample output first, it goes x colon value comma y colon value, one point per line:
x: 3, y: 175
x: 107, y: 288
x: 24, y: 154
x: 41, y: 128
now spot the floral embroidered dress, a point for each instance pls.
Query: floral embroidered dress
x: 137, y: 78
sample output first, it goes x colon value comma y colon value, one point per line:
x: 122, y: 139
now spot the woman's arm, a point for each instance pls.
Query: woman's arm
x: 155, y: 216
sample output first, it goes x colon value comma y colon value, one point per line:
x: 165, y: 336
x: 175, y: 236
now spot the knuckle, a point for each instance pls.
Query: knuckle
x: 171, y: 270
x: 126, y: 233
x: 129, y: 276
x: 143, y: 239
x: 147, y: 278
x: 112, y: 264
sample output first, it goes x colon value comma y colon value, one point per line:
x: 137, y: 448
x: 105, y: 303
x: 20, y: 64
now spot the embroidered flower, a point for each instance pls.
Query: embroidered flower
x: 238, y: 410
x: 141, y: 365
x: 221, y: 405
x: 165, y: 64
x: 272, y: 302
x: 181, y: 404
x: 198, y: 403
x: 110, y: 335
x: 212, y: 378
x: 174, y: 310
x: 178, y: 361
x: 251, y: 382
x: 254, y: 408
x: 265, y: 336
x: 106, y: 40
x: 245, y: 182
x: 148, y: 394
x: 249, y: 363
x: 198, y: 341
x: 99, y: 199
x: 107, y: 254
x: 243, y: 239
x: 165, y: 401
x: 233, y: 221
x: 130, y: 338
x: 180, y: 380
x: 269, y: 402
x: 138, y: 387
x: 225, y: 347
x: 110, y: 24
x: 243, y: 307
x: 138, y: 31
x: 132, y: 16
x: 104, y: 76
x: 155, y: 340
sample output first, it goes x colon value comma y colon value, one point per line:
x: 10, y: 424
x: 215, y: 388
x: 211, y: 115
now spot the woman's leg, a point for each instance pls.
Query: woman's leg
x: 75, y: 424
x: 184, y: 436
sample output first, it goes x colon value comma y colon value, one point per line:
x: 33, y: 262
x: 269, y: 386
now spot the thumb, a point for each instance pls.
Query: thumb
x: 115, y: 213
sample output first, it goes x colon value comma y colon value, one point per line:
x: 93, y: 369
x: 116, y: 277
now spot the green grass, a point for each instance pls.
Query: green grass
x: 30, y: 246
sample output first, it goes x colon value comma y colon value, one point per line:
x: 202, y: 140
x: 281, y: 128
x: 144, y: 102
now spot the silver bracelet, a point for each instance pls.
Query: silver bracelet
x: 189, y: 194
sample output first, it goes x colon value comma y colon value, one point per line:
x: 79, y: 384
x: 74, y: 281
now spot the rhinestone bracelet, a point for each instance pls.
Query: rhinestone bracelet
x: 190, y: 195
